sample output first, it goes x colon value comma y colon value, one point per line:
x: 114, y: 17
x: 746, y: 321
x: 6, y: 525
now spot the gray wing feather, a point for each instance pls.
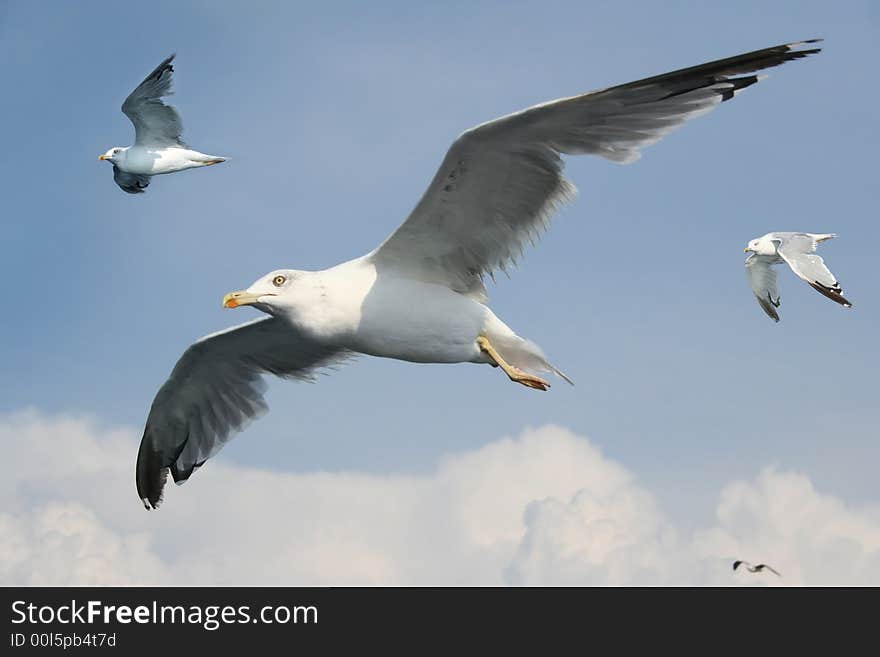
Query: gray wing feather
x: 155, y: 123
x: 132, y: 183
x: 762, y: 278
x: 216, y: 387
x: 501, y: 181
x: 797, y: 250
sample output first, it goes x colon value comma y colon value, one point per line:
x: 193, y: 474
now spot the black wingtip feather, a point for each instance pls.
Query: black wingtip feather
x: 738, y: 83
x: 833, y: 293
x: 165, y: 65
x: 769, y: 307
x: 153, y: 468
x: 721, y: 74
x: 180, y: 475
x: 150, y: 474
x: 721, y: 70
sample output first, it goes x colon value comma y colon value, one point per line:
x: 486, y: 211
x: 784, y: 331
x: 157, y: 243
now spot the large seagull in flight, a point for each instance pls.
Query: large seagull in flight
x: 420, y: 296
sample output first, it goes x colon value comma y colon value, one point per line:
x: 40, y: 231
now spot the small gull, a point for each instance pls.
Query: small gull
x: 798, y: 251
x: 158, y: 147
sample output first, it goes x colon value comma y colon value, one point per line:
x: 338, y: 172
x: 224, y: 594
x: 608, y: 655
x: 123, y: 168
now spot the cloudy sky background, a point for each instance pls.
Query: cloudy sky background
x: 698, y: 430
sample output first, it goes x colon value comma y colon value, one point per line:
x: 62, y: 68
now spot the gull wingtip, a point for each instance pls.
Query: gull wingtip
x: 806, y: 42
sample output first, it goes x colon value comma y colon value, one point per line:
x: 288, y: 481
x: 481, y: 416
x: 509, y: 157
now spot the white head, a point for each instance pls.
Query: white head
x: 763, y: 245
x: 113, y: 155
x: 273, y: 293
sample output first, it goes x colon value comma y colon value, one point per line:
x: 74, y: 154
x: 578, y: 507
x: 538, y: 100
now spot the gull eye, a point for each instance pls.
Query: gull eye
x: 279, y: 280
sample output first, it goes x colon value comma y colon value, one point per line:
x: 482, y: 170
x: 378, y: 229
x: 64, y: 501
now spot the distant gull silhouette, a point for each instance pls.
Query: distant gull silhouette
x: 755, y: 569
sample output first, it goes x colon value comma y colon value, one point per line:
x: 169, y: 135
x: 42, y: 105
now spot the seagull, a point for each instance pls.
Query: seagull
x: 158, y: 147
x: 420, y: 295
x: 795, y: 249
x: 755, y: 569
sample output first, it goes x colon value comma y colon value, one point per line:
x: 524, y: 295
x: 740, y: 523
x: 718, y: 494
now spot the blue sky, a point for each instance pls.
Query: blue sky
x: 336, y: 118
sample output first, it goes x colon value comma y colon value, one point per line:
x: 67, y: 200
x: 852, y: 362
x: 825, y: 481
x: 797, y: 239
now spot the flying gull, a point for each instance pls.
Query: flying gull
x: 420, y: 296
x: 798, y: 251
x: 755, y: 569
x: 157, y: 147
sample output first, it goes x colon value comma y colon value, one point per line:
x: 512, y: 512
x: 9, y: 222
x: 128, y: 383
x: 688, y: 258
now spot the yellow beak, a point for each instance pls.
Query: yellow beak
x: 103, y: 157
x: 746, y: 250
x: 240, y: 298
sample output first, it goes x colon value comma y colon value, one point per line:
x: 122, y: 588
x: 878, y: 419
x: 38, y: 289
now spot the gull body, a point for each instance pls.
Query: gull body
x: 391, y: 316
x: 155, y: 161
x: 159, y: 147
x: 420, y: 295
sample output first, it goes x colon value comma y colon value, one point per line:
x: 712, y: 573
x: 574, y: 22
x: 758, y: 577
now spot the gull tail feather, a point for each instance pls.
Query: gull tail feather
x: 208, y: 160
x: 526, y: 355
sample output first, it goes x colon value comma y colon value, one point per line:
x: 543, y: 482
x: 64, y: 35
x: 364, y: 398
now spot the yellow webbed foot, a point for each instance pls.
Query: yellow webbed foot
x: 513, y: 372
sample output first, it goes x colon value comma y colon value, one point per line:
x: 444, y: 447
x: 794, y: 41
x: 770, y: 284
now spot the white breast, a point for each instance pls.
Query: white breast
x: 156, y: 161
x: 394, y: 317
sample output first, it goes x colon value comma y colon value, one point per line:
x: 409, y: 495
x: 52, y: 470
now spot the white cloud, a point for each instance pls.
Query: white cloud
x: 543, y: 508
x: 65, y: 543
x: 598, y: 537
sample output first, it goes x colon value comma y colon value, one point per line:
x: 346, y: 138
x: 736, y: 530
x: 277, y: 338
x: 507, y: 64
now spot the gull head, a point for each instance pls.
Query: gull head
x: 268, y: 293
x: 113, y: 155
x: 762, y: 246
